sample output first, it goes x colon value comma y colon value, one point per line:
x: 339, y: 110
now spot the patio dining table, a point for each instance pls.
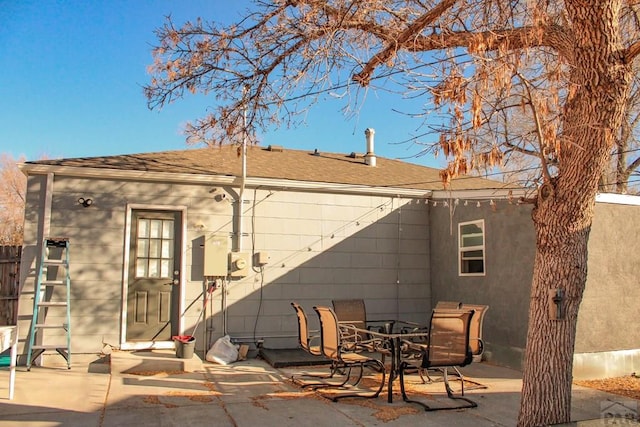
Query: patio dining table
x: 393, y: 340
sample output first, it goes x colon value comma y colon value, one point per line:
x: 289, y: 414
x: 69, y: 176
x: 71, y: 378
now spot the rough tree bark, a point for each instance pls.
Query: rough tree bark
x: 563, y: 215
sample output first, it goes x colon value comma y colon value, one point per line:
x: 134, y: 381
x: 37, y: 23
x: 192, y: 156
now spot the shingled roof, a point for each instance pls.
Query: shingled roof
x: 282, y: 164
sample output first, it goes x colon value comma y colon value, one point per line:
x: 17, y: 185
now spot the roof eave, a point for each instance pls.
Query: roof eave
x: 188, y: 178
x: 618, y: 199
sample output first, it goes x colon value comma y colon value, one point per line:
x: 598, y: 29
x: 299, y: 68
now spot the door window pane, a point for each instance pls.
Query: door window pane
x: 167, y: 229
x: 154, y: 268
x: 141, y: 267
x: 164, y: 268
x: 166, y: 249
x: 155, y: 228
x: 143, y: 248
x: 143, y: 228
x: 154, y: 248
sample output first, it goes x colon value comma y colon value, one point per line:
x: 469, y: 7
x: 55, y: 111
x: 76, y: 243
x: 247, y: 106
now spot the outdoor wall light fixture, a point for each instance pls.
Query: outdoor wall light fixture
x: 556, y: 300
x: 85, y: 202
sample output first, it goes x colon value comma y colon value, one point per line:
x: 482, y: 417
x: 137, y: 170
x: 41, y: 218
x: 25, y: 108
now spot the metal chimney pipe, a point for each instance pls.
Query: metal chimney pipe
x: 370, y: 157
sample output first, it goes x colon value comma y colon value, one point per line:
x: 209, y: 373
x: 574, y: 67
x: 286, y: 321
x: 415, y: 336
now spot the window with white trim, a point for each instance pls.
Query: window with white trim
x: 471, y: 248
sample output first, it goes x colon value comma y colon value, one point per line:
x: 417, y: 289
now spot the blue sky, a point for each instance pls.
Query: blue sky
x: 72, y: 77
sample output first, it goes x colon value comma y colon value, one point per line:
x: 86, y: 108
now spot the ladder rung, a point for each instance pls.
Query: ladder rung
x: 54, y: 283
x: 52, y: 304
x: 44, y: 326
x: 49, y: 347
x: 54, y: 262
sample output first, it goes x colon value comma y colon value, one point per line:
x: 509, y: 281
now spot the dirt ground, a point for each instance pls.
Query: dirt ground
x: 628, y: 386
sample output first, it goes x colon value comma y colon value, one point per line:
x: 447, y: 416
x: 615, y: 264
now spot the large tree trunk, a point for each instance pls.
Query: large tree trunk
x: 564, y: 210
x: 560, y: 263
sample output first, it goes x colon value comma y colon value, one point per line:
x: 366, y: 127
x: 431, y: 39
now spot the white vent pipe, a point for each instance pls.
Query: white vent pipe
x: 370, y: 157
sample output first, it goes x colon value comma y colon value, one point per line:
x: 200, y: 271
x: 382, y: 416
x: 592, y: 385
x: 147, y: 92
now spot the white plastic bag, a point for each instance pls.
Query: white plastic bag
x: 222, y: 351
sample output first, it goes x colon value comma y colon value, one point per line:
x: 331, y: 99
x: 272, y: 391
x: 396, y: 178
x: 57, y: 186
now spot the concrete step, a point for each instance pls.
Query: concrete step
x: 148, y: 361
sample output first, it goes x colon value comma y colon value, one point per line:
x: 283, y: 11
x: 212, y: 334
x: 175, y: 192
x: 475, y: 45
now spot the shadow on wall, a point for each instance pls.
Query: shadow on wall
x: 374, y: 256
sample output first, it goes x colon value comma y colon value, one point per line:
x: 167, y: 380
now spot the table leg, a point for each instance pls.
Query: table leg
x: 392, y: 373
x: 12, y: 369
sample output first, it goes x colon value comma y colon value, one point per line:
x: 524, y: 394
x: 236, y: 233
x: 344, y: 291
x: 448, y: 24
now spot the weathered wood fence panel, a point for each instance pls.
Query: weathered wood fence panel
x: 9, y: 284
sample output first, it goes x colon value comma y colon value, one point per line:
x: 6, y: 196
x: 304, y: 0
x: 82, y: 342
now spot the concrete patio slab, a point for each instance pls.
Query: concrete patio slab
x: 155, y: 388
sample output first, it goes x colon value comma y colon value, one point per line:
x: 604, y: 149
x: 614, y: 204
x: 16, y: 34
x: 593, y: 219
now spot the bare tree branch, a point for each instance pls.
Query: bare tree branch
x: 472, y: 62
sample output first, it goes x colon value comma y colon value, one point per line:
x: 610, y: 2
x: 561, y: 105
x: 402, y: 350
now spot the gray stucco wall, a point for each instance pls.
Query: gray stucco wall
x: 505, y: 287
x: 607, y: 336
x: 321, y: 246
x: 607, y: 341
x: 612, y: 292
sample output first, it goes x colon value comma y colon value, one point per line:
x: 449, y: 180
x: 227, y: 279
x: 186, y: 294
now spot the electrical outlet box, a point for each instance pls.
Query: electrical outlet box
x: 261, y: 258
x: 239, y: 264
x: 215, y: 256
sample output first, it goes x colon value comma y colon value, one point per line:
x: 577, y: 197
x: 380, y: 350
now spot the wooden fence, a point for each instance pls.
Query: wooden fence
x: 9, y: 284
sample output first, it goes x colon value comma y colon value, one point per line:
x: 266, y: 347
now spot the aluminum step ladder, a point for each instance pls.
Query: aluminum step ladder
x: 51, y: 308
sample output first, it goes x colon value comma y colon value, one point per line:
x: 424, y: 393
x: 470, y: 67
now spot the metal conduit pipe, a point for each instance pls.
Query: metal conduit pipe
x: 243, y: 179
x: 239, y: 214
